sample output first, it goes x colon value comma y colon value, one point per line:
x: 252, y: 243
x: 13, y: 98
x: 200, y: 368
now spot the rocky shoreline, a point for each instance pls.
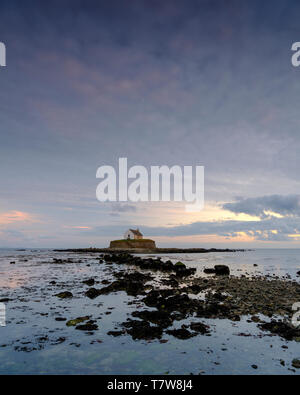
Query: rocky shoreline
x: 223, y: 297
x: 165, y: 302
x: 149, y: 251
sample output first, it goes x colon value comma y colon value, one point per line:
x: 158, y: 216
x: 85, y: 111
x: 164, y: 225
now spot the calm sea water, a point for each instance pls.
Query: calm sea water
x: 34, y: 342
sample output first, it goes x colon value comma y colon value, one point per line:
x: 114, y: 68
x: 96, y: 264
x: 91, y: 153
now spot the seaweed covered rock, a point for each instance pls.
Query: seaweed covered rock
x: 77, y: 321
x: 64, y: 295
x: 282, y: 329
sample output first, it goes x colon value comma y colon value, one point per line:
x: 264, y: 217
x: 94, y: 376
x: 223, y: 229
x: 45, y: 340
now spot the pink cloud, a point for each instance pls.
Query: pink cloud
x: 14, y: 216
x: 77, y: 227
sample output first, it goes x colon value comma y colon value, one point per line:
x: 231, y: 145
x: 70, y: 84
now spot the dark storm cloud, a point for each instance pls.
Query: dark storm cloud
x: 284, y: 205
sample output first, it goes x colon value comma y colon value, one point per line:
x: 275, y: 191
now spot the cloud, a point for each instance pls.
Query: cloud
x: 14, y: 216
x: 78, y: 227
x: 279, y: 221
x: 264, y: 206
x: 123, y: 208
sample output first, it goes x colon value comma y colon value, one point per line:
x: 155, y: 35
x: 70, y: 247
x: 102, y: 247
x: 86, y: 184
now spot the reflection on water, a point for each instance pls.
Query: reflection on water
x: 36, y: 340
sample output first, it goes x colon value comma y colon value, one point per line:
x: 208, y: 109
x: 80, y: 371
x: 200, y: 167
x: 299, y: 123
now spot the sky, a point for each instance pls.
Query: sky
x: 198, y: 82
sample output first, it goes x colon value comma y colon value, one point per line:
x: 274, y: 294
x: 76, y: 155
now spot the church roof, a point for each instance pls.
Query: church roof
x: 136, y: 232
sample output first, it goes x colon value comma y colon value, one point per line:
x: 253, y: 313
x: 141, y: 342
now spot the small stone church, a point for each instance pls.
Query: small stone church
x: 133, y: 241
x: 133, y: 234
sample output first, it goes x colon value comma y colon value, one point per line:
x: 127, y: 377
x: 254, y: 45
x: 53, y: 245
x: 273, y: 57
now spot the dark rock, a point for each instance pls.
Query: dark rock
x: 89, y: 282
x: 281, y: 328
x: 132, y: 283
x: 115, y: 333
x: 296, y: 363
x: 160, y: 318
x: 149, y: 263
x: 222, y: 270
x: 93, y: 293
x: 180, y: 333
x: 65, y: 295
x: 199, y: 327
x: 142, y: 330
x: 209, y: 271
x: 89, y: 326
x: 213, y: 310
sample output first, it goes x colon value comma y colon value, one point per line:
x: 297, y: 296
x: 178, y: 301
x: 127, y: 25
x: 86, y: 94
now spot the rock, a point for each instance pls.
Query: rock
x: 182, y: 271
x: 296, y: 363
x: 199, y: 327
x: 89, y: 282
x: 282, y: 329
x: 77, y: 321
x: 142, y: 330
x: 149, y: 263
x: 222, y: 270
x: 115, y: 333
x: 145, y: 244
x: 89, y: 326
x: 180, y: 264
x: 64, y: 295
x: 235, y: 318
x: 92, y: 293
x: 160, y: 318
x: 209, y: 271
x: 180, y: 333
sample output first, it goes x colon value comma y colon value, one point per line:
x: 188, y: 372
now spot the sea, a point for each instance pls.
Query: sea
x: 33, y: 341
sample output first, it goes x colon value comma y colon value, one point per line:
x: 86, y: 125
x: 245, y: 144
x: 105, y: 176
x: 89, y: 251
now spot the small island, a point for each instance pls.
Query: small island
x: 133, y: 241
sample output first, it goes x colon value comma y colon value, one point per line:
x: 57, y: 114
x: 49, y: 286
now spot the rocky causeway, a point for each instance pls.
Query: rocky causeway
x: 167, y: 299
